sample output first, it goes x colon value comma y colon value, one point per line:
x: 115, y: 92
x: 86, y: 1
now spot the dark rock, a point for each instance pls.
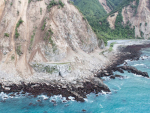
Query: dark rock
x: 112, y: 77
x: 134, y: 70
x: 30, y: 104
x: 84, y: 110
x: 38, y: 100
x: 53, y: 101
x: 131, y: 52
x: 12, y: 95
x: 94, y: 85
x: 119, y: 76
x: 64, y: 101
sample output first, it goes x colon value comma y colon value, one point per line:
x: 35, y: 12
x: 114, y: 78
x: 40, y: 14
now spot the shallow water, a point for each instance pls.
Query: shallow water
x: 129, y: 95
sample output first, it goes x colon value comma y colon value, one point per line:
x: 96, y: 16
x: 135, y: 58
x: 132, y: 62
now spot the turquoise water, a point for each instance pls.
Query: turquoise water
x: 129, y: 95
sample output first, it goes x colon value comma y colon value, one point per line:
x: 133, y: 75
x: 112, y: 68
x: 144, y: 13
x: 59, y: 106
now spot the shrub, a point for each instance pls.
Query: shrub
x: 44, y: 25
x: 41, y: 11
x: 18, y: 50
x: 61, y: 4
x: 6, y: 35
x: 16, y: 31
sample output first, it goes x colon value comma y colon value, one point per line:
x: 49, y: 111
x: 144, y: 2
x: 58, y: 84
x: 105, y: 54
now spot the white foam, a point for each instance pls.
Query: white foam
x: 144, y: 57
x: 88, y: 101
x: 44, y: 97
x: 117, y: 86
x: 105, y: 93
x: 4, y: 96
x: 106, y: 78
x: 71, y: 98
x: 127, y: 60
x: 137, y: 75
x: 139, y: 65
x: 101, y: 106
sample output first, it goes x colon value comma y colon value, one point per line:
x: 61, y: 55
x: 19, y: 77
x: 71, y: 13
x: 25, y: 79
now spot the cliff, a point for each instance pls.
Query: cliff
x: 135, y: 15
x: 48, y: 46
x: 46, y: 40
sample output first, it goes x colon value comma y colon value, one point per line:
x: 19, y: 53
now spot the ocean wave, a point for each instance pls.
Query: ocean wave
x: 139, y: 65
x: 106, y: 78
x: 71, y: 98
x: 56, y: 98
x: 101, y: 106
x: 5, y: 96
x: 118, y: 87
x: 105, y: 93
x: 144, y: 57
x: 44, y: 97
x: 88, y: 101
x: 137, y: 75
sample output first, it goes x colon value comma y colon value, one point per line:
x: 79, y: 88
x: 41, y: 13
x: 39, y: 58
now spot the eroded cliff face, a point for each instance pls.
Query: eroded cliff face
x: 39, y: 39
x: 138, y: 16
x: 140, y: 20
x: 105, y: 6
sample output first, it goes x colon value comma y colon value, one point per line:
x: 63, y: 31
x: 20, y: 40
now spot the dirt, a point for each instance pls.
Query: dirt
x: 104, y: 4
x: 72, y: 41
x: 139, y: 20
x: 112, y: 19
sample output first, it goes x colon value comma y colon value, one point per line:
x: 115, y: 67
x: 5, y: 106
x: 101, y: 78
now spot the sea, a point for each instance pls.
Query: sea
x: 128, y: 95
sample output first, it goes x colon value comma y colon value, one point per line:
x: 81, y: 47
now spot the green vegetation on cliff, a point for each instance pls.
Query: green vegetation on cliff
x: 91, y: 9
x: 97, y: 18
x: 112, y: 4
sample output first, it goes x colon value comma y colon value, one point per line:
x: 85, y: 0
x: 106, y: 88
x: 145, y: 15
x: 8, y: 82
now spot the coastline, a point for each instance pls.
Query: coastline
x: 131, y: 50
x: 81, y: 87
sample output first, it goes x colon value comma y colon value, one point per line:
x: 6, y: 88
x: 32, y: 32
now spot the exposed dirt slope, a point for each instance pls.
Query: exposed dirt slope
x: 50, y: 43
x: 138, y: 17
x: 104, y: 4
x: 111, y: 19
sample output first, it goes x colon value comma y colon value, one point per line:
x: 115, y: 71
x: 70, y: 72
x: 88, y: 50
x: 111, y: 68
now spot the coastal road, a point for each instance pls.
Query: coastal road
x: 127, y: 42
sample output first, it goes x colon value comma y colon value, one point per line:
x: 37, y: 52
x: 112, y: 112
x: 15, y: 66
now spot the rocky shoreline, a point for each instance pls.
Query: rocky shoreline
x: 77, y: 90
x: 130, y: 52
x: 80, y: 88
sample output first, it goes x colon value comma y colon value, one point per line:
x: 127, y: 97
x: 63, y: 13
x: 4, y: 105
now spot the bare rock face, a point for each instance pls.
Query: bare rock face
x: 137, y: 16
x: 36, y: 36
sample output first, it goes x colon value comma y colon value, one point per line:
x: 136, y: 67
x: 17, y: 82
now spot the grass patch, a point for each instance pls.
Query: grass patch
x: 44, y: 25
x: 18, y: 50
x: 6, y: 34
x: 16, y: 31
x: 54, y: 3
x: 111, y: 46
x: 48, y: 38
x: 12, y: 57
x: 41, y: 11
x: 32, y: 38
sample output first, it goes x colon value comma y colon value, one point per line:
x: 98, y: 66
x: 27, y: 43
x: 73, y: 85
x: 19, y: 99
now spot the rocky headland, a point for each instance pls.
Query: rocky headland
x: 48, y: 47
x: 79, y: 88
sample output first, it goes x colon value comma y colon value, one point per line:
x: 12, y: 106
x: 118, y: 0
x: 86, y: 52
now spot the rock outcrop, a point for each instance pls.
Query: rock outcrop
x: 134, y: 70
x: 36, y: 35
x: 45, y: 42
x: 78, y: 90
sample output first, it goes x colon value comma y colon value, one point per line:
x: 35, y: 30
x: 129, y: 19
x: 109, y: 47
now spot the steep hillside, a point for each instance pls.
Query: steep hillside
x: 125, y: 18
x: 100, y: 22
x: 92, y: 10
x: 110, y: 5
x: 132, y: 15
x: 105, y: 6
x: 114, y: 25
x: 139, y: 18
x: 41, y: 40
